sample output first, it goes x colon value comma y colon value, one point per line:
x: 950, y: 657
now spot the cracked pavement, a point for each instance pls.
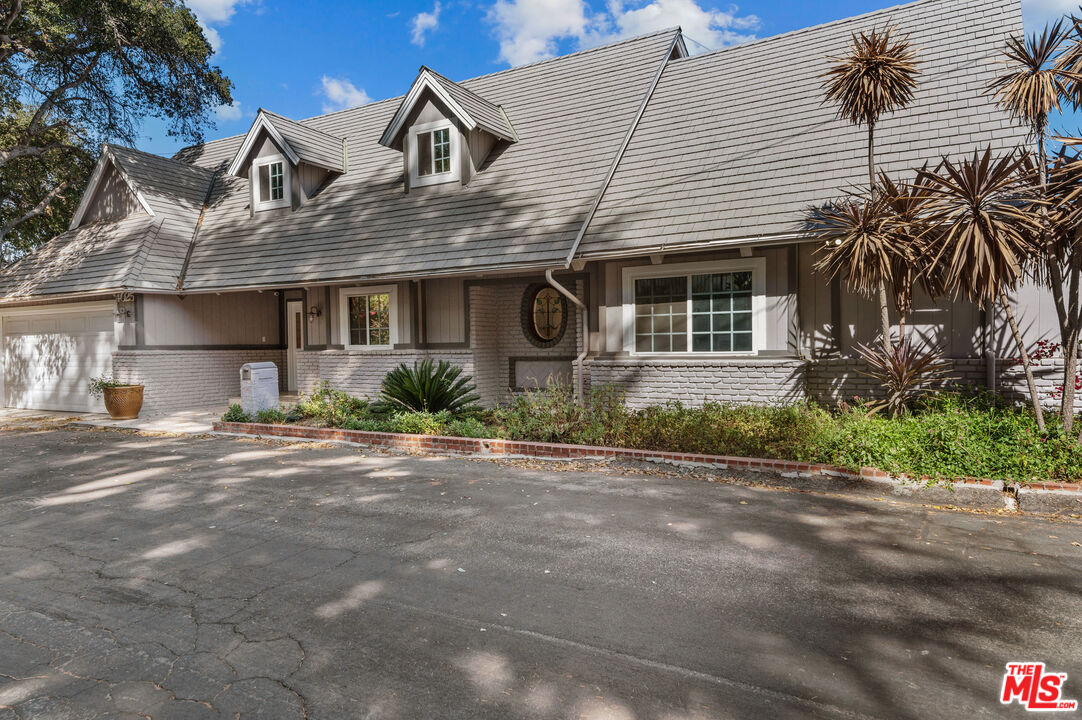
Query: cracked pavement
x: 211, y: 577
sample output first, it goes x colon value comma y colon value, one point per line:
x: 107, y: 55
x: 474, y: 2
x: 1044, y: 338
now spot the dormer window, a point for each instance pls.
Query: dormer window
x: 433, y: 154
x: 272, y: 175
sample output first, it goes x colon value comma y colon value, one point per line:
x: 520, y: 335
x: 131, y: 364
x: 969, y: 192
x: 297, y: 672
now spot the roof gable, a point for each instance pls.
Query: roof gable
x: 468, y: 107
x: 298, y: 142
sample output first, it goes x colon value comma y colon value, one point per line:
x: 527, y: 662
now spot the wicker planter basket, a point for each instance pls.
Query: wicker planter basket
x: 124, y: 402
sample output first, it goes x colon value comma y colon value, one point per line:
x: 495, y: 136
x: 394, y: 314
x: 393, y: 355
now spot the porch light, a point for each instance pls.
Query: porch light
x: 313, y: 313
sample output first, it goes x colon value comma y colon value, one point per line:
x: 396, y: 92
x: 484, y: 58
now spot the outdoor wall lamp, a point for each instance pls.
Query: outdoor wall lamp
x: 313, y: 313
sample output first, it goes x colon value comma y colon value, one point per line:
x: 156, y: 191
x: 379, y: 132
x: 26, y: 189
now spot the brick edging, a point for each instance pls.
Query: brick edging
x: 444, y: 445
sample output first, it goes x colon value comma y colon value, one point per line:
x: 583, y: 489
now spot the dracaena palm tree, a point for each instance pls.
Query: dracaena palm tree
x: 857, y: 242
x: 984, y: 234
x: 907, y: 205
x: 1042, y: 71
x: 877, y: 76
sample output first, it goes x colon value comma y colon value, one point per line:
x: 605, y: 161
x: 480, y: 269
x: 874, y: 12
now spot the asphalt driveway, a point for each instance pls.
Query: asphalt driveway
x: 213, y: 577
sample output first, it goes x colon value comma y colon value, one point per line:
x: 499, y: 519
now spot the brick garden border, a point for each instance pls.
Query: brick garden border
x: 443, y: 445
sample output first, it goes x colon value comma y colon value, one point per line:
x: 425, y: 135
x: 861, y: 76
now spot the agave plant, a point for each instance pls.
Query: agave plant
x: 877, y: 76
x: 905, y: 373
x: 984, y: 234
x: 427, y: 388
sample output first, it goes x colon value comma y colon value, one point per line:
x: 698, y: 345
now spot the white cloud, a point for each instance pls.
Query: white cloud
x: 530, y: 30
x: 1038, y: 12
x: 214, y: 12
x: 424, y: 22
x: 713, y: 28
x: 228, y: 113
x: 340, y: 94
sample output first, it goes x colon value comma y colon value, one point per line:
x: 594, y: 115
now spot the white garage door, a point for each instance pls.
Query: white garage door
x: 49, y: 355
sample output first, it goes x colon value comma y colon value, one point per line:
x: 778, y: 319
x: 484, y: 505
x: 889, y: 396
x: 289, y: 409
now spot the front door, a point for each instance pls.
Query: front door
x: 294, y: 338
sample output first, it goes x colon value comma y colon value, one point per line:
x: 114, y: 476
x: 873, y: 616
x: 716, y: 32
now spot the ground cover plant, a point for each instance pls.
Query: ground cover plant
x: 942, y: 436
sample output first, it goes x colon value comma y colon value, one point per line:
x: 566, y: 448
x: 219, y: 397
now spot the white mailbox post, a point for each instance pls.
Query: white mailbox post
x: 258, y: 387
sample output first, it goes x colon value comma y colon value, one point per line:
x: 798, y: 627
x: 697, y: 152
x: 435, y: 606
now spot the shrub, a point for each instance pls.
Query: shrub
x: 236, y: 414
x: 905, y: 373
x: 270, y: 416
x: 330, y: 407
x: 550, y: 414
x: 420, y: 423
x: 427, y: 388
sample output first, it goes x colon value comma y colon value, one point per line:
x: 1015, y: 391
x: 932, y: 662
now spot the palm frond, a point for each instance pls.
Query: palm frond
x: 876, y: 76
x: 984, y: 230
x: 1036, y: 77
x: 427, y: 388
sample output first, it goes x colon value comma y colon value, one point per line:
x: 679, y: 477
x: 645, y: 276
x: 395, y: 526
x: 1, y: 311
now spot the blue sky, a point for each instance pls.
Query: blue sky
x: 301, y: 58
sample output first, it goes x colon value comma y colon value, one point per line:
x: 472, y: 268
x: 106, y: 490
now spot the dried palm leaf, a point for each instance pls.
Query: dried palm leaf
x: 1037, y: 76
x: 877, y: 76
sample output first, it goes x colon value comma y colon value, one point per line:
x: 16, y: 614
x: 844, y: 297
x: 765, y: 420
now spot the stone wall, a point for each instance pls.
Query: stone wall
x: 179, y: 379
x: 654, y: 381
x: 360, y: 373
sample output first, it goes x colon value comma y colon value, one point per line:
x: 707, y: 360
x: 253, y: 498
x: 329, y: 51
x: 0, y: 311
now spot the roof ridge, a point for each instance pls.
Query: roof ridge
x: 810, y: 28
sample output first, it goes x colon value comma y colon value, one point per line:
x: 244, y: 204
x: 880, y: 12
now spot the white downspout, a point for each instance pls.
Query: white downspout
x: 581, y: 359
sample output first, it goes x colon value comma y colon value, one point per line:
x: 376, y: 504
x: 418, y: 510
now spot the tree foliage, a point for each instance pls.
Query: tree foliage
x: 74, y: 74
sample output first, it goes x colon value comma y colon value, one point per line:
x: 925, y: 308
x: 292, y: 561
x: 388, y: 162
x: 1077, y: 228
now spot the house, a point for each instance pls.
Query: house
x: 625, y: 214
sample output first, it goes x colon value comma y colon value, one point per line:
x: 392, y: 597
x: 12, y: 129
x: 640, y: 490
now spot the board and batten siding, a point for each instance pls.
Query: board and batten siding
x: 445, y: 311
x: 230, y: 319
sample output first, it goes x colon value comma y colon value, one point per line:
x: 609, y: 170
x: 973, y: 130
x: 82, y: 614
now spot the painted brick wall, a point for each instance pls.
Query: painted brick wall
x: 496, y: 336
x: 656, y: 381
x: 840, y: 378
x: 178, y: 379
x: 360, y: 373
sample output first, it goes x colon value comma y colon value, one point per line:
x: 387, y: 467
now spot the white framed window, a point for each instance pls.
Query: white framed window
x: 433, y: 149
x: 271, y: 177
x: 716, y: 308
x: 368, y: 317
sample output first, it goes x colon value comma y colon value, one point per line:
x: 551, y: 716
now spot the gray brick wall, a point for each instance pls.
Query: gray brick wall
x: 649, y: 381
x: 179, y: 379
x: 496, y: 336
x: 840, y: 378
x: 360, y: 373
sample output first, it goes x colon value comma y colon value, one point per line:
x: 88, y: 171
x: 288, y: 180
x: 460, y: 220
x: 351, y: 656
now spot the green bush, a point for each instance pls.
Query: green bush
x: 427, y: 388
x: 551, y: 414
x: 236, y: 414
x: 271, y: 416
x: 330, y: 407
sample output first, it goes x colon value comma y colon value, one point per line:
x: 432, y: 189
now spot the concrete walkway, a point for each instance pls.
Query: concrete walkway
x: 195, y: 421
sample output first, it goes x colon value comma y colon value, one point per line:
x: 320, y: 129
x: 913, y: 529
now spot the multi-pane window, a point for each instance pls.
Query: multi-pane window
x: 272, y: 184
x: 661, y: 321
x: 370, y: 319
x: 434, y: 152
x: 719, y: 306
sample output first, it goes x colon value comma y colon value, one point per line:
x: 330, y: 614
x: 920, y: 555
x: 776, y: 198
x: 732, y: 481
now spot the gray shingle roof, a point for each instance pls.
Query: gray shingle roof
x: 732, y: 146
x: 311, y: 145
x: 524, y: 208
x: 486, y: 114
x: 735, y: 144
x: 96, y: 257
x: 140, y: 252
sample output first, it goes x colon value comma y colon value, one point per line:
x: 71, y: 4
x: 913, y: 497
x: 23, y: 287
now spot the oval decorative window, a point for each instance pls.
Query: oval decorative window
x: 544, y: 315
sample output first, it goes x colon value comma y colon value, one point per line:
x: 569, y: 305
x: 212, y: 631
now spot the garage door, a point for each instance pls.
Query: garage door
x: 49, y: 355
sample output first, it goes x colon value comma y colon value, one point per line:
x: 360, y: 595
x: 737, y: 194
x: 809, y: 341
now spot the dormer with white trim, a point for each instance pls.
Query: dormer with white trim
x: 444, y: 131
x: 286, y: 162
